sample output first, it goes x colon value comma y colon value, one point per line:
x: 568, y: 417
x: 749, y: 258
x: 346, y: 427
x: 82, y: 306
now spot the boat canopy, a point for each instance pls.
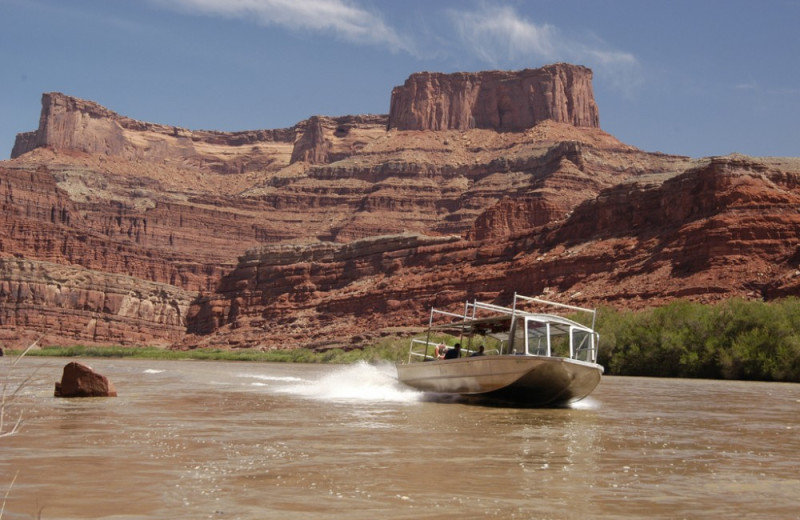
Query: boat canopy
x: 508, y: 331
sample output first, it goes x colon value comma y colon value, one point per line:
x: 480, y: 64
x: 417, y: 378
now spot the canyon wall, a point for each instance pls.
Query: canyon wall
x: 341, y: 229
x: 500, y: 100
x: 727, y: 227
x: 73, y: 305
x: 71, y: 124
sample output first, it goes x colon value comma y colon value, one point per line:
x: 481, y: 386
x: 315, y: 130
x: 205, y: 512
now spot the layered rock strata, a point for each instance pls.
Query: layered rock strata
x: 72, y: 124
x: 341, y: 228
x: 69, y: 123
x: 498, y: 100
x: 727, y: 227
x: 73, y: 305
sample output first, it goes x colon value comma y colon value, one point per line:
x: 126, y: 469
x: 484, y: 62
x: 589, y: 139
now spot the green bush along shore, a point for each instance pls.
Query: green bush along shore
x: 390, y: 349
x: 736, y: 339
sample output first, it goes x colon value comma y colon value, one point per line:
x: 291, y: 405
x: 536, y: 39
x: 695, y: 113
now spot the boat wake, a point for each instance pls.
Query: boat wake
x: 358, y: 382
x: 588, y: 403
x: 267, y: 380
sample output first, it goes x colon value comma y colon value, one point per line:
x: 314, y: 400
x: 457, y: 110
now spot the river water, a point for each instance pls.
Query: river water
x: 231, y: 440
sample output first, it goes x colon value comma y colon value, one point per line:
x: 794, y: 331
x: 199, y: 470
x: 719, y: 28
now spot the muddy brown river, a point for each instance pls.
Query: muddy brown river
x: 229, y: 440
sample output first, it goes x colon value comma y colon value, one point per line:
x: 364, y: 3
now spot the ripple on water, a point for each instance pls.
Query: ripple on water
x: 350, y: 442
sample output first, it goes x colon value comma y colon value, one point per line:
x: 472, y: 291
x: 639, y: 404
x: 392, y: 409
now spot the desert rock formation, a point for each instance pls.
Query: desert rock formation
x: 79, y: 380
x: 341, y: 229
x: 500, y: 100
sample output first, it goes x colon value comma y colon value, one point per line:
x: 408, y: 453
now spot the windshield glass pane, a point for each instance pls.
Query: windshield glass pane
x: 537, y: 338
x: 582, y: 345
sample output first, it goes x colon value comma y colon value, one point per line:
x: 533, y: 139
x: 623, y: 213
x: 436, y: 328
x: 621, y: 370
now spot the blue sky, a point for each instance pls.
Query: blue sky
x: 697, y: 78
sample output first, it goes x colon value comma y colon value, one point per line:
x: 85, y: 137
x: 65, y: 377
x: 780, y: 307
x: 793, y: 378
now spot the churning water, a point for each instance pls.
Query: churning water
x: 230, y: 440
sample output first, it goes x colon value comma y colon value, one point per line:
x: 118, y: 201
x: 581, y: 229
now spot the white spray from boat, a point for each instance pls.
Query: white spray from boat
x: 357, y: 382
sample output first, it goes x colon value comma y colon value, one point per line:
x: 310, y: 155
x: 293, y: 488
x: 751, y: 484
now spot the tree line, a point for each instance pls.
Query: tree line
x: 735, y: 339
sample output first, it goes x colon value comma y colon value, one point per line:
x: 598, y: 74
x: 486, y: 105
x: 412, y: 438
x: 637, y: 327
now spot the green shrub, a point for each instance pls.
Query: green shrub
x: 391, y: 349
x: 736, y: 339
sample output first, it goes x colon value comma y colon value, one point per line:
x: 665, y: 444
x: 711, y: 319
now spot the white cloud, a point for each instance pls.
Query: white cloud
x: 497, y: 35
x: 340, y: 17
x: 500, y: 37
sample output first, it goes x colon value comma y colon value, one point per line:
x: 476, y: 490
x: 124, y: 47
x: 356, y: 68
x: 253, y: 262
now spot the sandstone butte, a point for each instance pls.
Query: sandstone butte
x: 341, y: 229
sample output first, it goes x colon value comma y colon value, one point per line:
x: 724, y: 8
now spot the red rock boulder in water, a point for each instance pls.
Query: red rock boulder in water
x: 80, y: 380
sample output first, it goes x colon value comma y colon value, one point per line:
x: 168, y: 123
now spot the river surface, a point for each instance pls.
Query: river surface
x: 233, y: 440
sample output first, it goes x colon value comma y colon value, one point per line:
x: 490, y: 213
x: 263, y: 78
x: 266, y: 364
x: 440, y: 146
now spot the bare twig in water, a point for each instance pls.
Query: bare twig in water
x: 5, y: 398
x: 8, y: 492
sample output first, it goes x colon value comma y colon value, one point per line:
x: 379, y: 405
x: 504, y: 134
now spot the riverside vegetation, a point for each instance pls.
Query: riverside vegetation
x: 735, y: 339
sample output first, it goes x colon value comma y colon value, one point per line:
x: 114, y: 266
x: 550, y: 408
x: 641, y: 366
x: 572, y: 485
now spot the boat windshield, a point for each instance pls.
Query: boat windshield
x: 538, y: 343
x: 546, y: 338
x: 583, y: 345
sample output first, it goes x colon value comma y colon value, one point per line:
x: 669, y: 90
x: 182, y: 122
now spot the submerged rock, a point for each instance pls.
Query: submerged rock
x: 79, y: 380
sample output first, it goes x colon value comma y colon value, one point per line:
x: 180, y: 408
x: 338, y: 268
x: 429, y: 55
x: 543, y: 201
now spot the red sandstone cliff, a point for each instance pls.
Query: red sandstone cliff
x: 499, y: 100
x: 725, y: 227
x: 72, y: 124
x: 339, y: 228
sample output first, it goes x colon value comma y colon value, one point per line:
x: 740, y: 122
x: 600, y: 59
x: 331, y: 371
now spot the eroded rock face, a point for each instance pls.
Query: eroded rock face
x: 322, y: 140
x: 499, y: 100
x: 69, y: 123
x: 79, y: 380
x: 116, y: 231
x: 274, y: 290
x: 78, y: 305
x: 725, y: 227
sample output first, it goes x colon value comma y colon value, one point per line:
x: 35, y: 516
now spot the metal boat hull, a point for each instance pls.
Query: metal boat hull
x: 529, y: 380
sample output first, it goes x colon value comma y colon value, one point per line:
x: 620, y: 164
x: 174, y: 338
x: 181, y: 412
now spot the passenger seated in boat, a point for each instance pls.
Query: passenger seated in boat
x: 454, y: 352
x: 479, y: 352
x: 440, y: 351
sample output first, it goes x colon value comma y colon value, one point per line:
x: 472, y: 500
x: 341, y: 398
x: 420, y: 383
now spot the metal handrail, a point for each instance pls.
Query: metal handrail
x: 557, y: 304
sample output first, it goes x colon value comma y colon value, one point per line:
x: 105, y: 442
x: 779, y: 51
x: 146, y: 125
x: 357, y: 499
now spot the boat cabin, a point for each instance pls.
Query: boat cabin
x: 507, y: 331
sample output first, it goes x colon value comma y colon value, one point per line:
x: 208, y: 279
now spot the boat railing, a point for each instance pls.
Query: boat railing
x: 445, y: 313
x: 532, y: 299
x: 421, y: 350
x: 476, y: 306
x: 489, y: 307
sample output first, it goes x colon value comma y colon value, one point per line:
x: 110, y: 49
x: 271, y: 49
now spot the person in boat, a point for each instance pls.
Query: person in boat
x: 479, y: 352
x: 440, y: 351
x: 454, y: 353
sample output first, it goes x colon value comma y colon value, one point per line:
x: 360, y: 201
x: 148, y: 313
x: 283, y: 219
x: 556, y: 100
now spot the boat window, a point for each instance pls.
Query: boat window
x: 583, y: 345
x: 516, y: 344
x: 537, y: 338
x: 559, y: 343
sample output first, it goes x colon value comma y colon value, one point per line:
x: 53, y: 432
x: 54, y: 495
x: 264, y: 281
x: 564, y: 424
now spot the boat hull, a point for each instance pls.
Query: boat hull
x: 529, y: 380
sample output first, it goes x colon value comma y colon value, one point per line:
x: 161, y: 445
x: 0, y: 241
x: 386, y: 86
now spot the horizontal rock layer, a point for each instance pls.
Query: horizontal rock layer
x: 339, y: 228
x: 727, y: 227
x: 74, y: 305
x: 71, y: 124
x: 499, y: 100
